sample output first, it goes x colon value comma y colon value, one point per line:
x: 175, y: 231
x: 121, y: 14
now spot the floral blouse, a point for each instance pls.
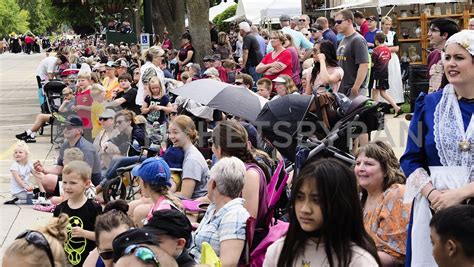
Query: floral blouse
x: 387, y: 224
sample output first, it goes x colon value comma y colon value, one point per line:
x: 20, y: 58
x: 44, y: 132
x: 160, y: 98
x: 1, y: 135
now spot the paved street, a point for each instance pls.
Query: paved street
x: 18, y: 107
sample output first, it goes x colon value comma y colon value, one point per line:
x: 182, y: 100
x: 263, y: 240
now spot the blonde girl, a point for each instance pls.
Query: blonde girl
x: 157, y: 105
x: 21, y: 170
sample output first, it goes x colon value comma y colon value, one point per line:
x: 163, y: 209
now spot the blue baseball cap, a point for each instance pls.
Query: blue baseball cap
x: 154, y: 171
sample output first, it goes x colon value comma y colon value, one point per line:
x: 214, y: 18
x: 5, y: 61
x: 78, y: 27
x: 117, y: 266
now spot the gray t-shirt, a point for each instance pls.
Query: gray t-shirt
x: 351, y: 52
x: 90, y: 156
x: 195, y: 167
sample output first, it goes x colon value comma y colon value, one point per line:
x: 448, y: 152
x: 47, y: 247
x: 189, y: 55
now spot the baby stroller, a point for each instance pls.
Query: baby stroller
x: 52, y: 94
x: 294, y: 122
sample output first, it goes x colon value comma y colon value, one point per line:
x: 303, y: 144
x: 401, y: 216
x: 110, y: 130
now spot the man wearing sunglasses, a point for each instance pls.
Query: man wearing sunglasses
x: 352, y: 54
x: 304, y: 22
x: 73, y: 138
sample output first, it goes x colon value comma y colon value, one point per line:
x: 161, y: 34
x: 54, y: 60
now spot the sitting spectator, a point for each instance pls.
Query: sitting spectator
x: 97, y: 107
x: 264, y: 88
x: 110, y: 81
x: 45, y: 244
x: 284, y: 85
x: 243, y: 79
x: 131, y: 137
x: 137, y: 247
x: 21, y: 170
x: 125, y: 98
x: 326, y: 226
x: 452, y: 233
x: 157, y: 105
x: 172, y: 229
x: 73, y: 138
x: 230, y: 67
x: 64, y: 110
x: 106, y: 120
x: 223, y: 225
x: 326, y: 72
x: 108, y: 225
x: 182, y: 133
x: 155, y: 176
x: 382, y: 186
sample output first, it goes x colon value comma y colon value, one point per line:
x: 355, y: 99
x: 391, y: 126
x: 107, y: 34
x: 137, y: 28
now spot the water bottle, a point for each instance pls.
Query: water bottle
x: 29, y: 198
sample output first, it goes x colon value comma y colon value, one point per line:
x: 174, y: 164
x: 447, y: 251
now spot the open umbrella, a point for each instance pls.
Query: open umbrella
x: 236, y: 100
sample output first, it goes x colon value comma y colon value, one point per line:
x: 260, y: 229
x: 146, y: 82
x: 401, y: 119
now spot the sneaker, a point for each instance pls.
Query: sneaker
x: 10, y: 202
x: 42, y: 201
x: 29, y: 139
x: 21, y: 136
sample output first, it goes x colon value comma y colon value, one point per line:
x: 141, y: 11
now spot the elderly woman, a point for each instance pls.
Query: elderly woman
x: 382, y: 186
x: 278, y: 61
x: 284, y: 85
x: 223, y: 226
x: 439, y: 155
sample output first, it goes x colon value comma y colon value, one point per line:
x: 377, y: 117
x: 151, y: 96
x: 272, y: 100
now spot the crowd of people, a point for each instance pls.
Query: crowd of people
x: 381, y: 211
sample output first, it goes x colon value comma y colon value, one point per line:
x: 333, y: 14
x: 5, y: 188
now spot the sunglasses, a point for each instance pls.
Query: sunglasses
x: 339, y: 21
x: 302, y: 20
x: 102, y: 71
x: 107, y: 255
x: 142, y: 253
x: 36, y: 238
x: 103, y: 119
x: 238, y: 83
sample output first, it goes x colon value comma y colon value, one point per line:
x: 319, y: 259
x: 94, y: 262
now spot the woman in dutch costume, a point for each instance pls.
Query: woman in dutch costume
x: 440, y: 148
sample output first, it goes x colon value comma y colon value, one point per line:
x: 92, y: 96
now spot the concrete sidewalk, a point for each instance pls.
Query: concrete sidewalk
x: 18, y: 108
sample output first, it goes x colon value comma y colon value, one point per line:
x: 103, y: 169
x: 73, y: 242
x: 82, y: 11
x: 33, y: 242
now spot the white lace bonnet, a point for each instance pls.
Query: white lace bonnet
x: 464, y: 38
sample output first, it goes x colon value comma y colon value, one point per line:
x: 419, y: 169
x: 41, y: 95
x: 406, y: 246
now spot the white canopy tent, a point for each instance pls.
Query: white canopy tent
x: 249, y: 9
x: 216, y: 10
x: 280, y: 7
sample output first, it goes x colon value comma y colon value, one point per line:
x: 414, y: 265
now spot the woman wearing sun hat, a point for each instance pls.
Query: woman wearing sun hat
x: 440, y: 167
x: 155, y: 181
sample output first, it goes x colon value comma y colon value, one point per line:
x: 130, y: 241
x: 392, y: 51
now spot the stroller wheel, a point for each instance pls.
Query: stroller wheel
x: 114, y: 189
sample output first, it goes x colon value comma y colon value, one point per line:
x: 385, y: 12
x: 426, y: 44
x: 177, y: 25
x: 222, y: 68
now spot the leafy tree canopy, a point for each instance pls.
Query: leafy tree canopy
x: 12, y: 18
x: 219, y: 19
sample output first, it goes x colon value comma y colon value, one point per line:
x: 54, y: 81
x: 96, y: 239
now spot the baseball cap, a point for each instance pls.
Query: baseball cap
x: 108, y: 114
x: 132, y: 237
x: 207, y: 58
x: 174, y: 156
x: 110, y: 64
x: 121, y: 63
x: 279, y: 80
x: 74, y: 120
x: 170, y: 222
x: 216, y: 57
x: 251, y: 132
x: 374, y: 18
x: 153, y: 171
x: 285, y: 18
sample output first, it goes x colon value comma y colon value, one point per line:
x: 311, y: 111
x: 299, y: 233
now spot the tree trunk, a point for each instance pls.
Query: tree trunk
x: 169, y: 14
x: 198, y: 18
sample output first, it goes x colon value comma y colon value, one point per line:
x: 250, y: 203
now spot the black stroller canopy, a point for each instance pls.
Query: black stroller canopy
x: 280, y: 120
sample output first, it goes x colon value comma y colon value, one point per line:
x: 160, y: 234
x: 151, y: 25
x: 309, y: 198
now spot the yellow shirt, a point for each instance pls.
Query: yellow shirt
x: 110, y: 85
x: 96, y: 109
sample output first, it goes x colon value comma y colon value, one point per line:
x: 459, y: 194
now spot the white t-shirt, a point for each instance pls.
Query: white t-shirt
x: 24, y: 173
x: 46, y: 66
x: 315, y: 255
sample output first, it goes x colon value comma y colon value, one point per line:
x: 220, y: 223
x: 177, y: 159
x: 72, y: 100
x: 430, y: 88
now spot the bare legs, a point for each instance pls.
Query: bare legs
x: 383, y: 93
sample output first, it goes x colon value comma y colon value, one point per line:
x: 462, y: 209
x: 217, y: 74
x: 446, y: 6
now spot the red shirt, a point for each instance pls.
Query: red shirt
x: 284, y: 57
x: 364, y: 28
x: 84, y: 99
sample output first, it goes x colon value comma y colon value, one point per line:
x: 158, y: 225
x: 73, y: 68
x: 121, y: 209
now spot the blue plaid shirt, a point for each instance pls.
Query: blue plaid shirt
x: 227, y: 223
